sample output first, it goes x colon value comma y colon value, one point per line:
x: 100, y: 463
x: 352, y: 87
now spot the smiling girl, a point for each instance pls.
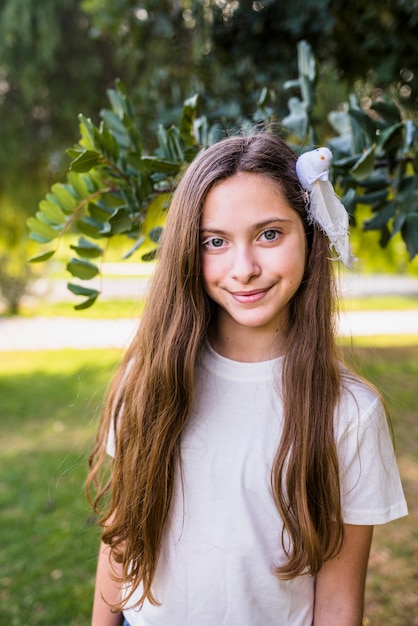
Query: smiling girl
x: 249, y: 465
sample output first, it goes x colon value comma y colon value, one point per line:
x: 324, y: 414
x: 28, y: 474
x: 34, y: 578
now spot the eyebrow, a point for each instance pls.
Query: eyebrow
x: 268, y: 222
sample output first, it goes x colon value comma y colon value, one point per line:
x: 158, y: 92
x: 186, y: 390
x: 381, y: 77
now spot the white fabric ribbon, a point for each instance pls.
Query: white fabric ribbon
x: 325, y: 208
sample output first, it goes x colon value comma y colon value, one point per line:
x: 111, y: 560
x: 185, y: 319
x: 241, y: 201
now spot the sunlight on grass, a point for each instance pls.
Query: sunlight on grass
x: 379, y: 341
x: 102, y: 309
x: 380, y: 303
x: 50, y: 404
x: 133, y: 308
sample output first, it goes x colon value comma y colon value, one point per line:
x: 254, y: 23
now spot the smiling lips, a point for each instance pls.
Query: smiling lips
x: 245, y: 297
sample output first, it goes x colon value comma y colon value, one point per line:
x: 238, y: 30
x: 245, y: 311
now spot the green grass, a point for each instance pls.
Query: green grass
x: 50, y: 402
x: 48, y: 540
x: 102, y: 309
x: 107, y: 309
x: 379, y: 341
x: 392, y: 592
x: 380, y: 303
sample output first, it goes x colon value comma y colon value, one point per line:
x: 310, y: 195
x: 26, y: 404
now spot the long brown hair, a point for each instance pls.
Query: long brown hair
x: 152, y: 393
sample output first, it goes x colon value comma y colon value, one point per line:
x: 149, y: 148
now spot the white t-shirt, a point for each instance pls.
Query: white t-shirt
x: 223, y: 535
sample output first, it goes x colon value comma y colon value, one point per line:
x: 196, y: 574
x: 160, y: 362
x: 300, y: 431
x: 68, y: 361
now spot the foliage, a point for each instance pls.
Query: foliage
x: 58, y: 58
x: 44, y: 49
x: 15, y: 274
x: 376, y: 164
x: 114, y: 188
x: 15, y: 278
x: 230, y: 50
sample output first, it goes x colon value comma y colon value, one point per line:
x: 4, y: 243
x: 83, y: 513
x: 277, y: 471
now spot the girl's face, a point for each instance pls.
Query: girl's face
x: 253, y: 251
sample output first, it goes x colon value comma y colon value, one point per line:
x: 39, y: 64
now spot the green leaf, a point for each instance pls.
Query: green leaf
x: 385, y: 236
x: 87, y: 249
x: 175, y: 148
x: 365, y: 165
x: 117, y: 128
x: 411, y: 133
x: 390, y: 139
x: 118, y: 100
x: 381, y: 218
x: 155, y: 234
x: 408, y: 196
x: 85, y: 161
x: 87, y: 133
x: 410, y: 234
x: 367, y: 125
x: 114, y: 122
x: 349, y: 201
x: 73, y: 153
x: 387, y: 109
x: 121, y: 221
x: 398, y: 222
x: 374, y: 198
x: 92, y: 228
x: 307, y: 72
x: 39, y: 258
x: 134, y: 248
x: 86, y: 304
x: 187, y: 119
x: 52, y: 212
x: 99, y: 211
x: 64, y: 198
x: 43, y: 230
x: 149, y: 256
x: 82, y: 269
x: 154, y: 165
x: 107, y: 142
x: 38, y: 238
x: 297, y: 120
x: 77, y: 181
x: 346, y: 163
x: 156, y: 213
x: 340, y: 121
x: 78, y: 290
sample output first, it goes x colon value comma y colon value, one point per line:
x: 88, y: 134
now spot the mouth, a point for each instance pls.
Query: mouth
x: 249, y: 296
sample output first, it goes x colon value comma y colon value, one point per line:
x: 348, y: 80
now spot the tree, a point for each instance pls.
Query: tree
x: 49, y: 70
x: 58, y: 58
x: 377, y: 40
x: 114, y: 187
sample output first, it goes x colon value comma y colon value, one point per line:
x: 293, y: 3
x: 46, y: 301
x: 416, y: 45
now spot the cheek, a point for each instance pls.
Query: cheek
x: 208, y: 271
x: 293, y: 262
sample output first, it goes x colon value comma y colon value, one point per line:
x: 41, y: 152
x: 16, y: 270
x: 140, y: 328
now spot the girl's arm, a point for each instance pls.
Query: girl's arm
x: 106, y: 589
x: 339, y: 592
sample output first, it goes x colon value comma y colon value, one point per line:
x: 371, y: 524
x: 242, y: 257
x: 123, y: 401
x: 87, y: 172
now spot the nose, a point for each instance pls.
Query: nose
x: 245, y: 265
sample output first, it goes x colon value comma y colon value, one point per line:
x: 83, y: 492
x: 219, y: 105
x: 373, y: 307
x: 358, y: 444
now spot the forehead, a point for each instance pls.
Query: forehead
x: 246, y: 196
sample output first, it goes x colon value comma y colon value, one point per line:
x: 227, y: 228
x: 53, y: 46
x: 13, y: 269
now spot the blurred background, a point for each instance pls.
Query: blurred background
x: 58, y: 58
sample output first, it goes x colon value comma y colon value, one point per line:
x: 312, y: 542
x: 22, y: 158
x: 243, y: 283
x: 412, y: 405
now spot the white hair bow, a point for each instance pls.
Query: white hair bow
x: 325, y: 208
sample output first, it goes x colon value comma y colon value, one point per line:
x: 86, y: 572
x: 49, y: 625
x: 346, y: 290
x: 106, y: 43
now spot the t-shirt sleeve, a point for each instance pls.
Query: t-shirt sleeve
x: 117, y: 413
x: 371, y: 489
x: 111, y: 439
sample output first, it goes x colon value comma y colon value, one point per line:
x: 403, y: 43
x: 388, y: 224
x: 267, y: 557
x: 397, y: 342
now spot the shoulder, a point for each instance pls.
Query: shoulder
x: 360, y: 404
x: 371, y: 489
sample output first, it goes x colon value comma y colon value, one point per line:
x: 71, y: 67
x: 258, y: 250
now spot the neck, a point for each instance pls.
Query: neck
x: 247, y: 345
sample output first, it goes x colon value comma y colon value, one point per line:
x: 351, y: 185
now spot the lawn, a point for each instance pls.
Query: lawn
x: 49, y: 406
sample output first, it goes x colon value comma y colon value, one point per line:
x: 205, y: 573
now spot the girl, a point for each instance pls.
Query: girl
x: 249, y: 465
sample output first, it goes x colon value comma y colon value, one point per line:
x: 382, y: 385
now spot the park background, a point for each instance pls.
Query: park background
x: 57, y: 60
